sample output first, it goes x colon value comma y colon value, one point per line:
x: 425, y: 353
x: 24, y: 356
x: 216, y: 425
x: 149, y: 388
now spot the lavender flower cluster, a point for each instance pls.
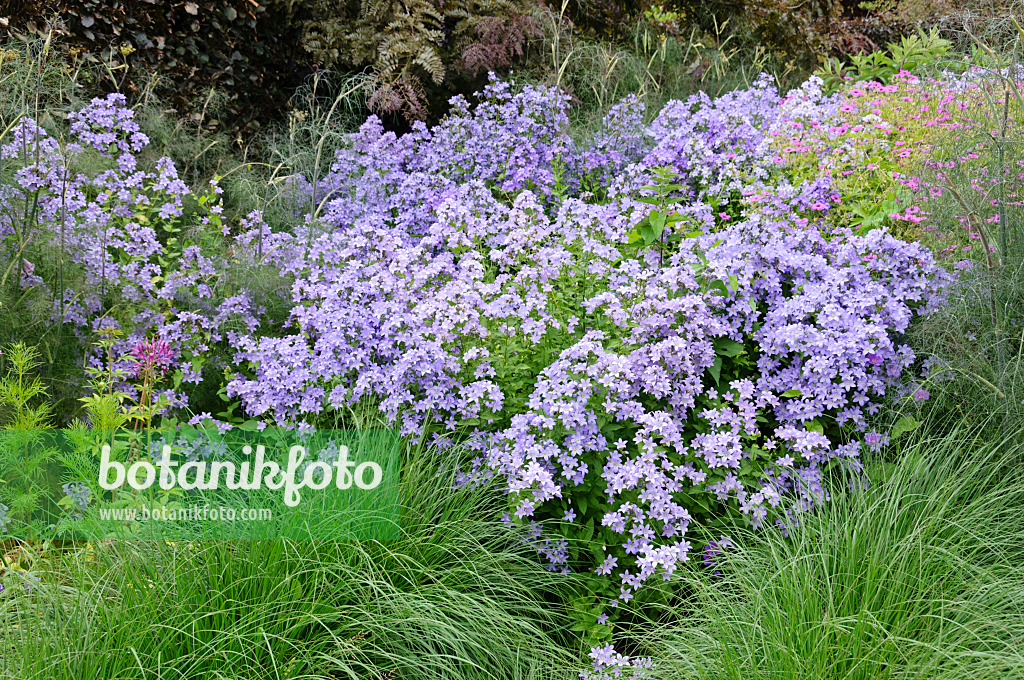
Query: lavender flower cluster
x: 484, y: 277
x: 107, y: 249
x: 650, y: 329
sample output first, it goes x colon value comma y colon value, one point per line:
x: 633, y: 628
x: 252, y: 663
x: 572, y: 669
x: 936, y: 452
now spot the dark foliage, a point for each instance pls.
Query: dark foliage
x: 421, y: 51
x: 247, y: 50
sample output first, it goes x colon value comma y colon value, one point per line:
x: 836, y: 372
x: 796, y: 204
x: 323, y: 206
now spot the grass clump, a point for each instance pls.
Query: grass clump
x: 455, y: 597
x: 919, y: 576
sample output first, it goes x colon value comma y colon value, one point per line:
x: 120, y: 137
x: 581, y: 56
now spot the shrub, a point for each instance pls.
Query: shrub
x: 256, y: 54
x: 666, y: 326
x: 94, y: 243
x: 939, y: 161
x: 415, y: 47
x: 625, y: 371
x: 249, y: 51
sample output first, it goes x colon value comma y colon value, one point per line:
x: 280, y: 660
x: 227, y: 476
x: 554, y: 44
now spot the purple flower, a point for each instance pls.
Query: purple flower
x: 451, y: 260
x: 482, y: 277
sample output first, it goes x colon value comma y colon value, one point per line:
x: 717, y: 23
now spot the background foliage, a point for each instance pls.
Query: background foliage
x: 236, y: 63
x: 187, y: 52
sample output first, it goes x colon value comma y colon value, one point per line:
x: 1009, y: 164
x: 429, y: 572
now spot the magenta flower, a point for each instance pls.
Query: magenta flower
x: 150, y: 355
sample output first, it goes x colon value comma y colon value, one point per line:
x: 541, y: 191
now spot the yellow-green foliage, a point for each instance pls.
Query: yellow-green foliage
x: 903, y: 144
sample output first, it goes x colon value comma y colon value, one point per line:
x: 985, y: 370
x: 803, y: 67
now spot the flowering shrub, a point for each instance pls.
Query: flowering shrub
x: 665, y: 326
x: 887, y: 151
x: 625, y: 372
x: 105, y: 244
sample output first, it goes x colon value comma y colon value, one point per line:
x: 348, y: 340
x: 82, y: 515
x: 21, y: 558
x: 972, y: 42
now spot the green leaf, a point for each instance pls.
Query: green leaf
x: 647, y: 232
x: 658, y: 223
x: 904, y: 425
x: 814, y: 426
x: 716, y: 370
x: 728, y: 348
x: 718, y: 286
x: 792, y: 393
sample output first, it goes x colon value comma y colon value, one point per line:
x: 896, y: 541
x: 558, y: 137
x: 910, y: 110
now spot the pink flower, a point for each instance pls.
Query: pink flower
x: 150, y: 355
x: 27, y: 269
